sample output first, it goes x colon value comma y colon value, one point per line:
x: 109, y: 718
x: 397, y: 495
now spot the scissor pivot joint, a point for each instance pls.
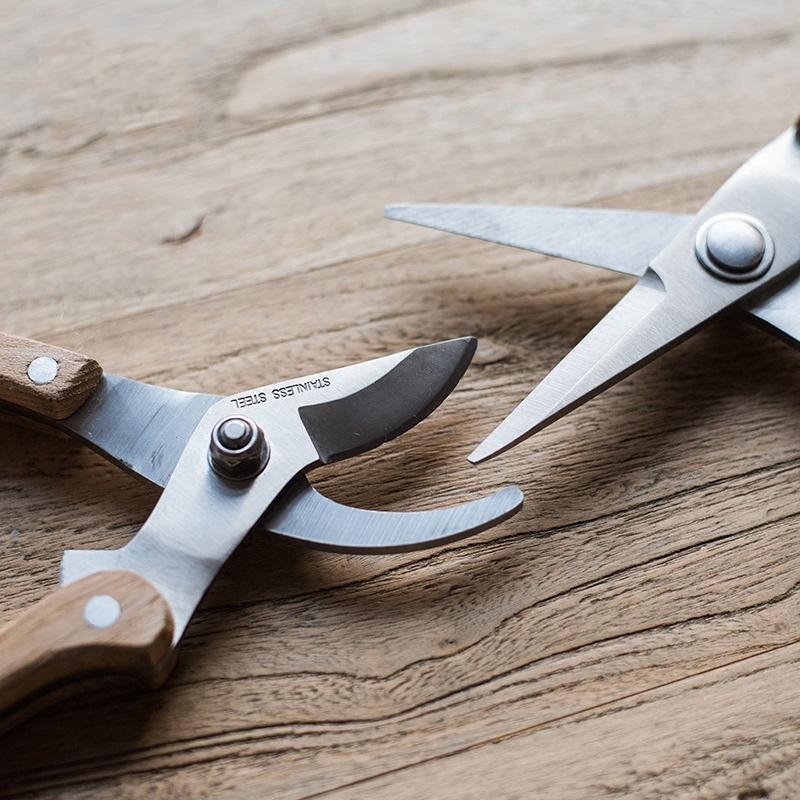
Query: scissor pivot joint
x: 238, y: 449
x: 736, y: 247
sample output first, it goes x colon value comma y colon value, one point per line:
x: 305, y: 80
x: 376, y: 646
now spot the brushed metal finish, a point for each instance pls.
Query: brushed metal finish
x: 347, y: 529
x: 622, y: 241
x: 626, y: 241
x: 671, y: 300
x: 779, y: 311
x: 144, y: 428
x: 673, y: 297
x: 201, y: 517
x: 140, y: 427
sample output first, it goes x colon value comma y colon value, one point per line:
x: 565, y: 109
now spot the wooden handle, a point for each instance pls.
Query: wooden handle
x: 45, y: 379
x: 109, y: 624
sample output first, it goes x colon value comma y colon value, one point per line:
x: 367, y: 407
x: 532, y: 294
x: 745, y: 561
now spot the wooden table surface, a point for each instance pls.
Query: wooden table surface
x: 192, y: 193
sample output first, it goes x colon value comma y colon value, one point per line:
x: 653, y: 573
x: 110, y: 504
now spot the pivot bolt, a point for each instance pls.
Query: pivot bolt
x: 238, y: 449
x: 736, y: 247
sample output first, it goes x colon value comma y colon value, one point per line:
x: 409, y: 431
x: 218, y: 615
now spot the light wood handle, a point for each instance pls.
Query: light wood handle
x: 109, y: 624
x: 27, y: 379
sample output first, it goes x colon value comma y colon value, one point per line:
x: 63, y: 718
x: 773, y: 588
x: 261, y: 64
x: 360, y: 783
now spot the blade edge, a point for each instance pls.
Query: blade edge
x: 618, y: 240
x: 356, y: 530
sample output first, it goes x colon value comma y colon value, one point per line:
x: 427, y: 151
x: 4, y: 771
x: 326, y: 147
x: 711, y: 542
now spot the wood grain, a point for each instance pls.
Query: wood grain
x: 58, y: 642
x: 194, y: 198
x: 76, y: 377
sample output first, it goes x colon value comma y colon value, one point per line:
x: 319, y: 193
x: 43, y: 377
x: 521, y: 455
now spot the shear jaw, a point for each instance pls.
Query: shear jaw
x: 763, y: 200
x: 144, y: 428
x: 737, y: 245
x: 202, y: 516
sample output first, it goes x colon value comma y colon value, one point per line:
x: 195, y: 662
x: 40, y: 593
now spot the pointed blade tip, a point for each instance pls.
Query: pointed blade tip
x: 462, y: 350
x: 514, y: 496
x: 494, y: 445
x: 407, y: 212
x: 394, y: 210
x: 470, y: 344
x: 481, y: 454
x: 393, y: 403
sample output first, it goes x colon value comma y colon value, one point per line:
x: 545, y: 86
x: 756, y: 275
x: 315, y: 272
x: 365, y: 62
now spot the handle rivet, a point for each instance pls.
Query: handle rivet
x: 736, y: 247
x: 101, y: 611
x: 238, y: 448
x: 42, y: 370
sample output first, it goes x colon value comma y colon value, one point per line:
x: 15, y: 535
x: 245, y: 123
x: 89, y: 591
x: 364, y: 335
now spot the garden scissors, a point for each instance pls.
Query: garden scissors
x: 227, y: 464
x: 741, y: 250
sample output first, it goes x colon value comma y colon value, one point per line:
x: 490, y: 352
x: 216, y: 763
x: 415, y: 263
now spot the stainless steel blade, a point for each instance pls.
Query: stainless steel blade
x: 674, y: 297
x: 140, y: 427
x: 388, y: 405
x: 144, y: 428
x: 201, y: 518
x: 779, y: 311
x: 342, y: 528
x: 623, y: 241
x: 636, y: 329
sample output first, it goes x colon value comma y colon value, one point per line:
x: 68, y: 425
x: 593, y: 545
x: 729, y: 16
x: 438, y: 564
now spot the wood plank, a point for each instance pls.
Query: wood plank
x: 193, y: 197
x: 653, y: 744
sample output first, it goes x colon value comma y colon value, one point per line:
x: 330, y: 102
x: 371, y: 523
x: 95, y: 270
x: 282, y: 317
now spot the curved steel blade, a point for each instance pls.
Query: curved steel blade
x: 201, y: 517
x: 344, y: 424
x: 343, y: 528
x: 144, y: 428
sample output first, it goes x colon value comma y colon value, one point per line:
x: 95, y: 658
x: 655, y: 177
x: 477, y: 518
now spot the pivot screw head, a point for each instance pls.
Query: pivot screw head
x: 238, y: 449
x: 234, y: 433
x: 736, y: 247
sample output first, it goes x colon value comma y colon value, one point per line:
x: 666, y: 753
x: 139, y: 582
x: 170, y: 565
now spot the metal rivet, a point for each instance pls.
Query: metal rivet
x: 736, y: 247
x: 43, y: 369
x: 238, y: 448
x: 101, y: 611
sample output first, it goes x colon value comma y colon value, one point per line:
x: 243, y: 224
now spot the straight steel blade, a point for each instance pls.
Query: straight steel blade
x: 674, y: 297
x: 633, y: 332
x: 779, y: 312
x: 623, y: 241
